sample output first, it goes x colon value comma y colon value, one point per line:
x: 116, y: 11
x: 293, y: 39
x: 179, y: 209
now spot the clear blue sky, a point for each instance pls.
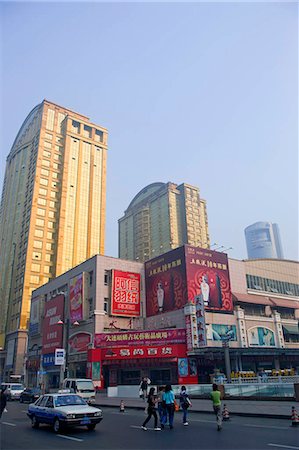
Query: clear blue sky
x: 203, y: 93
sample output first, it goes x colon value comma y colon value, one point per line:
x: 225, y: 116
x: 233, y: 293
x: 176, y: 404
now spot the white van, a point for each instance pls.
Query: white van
x: 81, y: 386
x: 13, y: 390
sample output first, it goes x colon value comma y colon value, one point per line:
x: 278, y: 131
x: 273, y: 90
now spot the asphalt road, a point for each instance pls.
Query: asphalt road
x: 123, y: 431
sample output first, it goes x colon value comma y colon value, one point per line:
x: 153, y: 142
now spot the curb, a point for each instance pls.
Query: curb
x: 200, y: 411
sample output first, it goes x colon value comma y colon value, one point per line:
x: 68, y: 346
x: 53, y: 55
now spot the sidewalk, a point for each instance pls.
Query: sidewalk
x: 250, y: 408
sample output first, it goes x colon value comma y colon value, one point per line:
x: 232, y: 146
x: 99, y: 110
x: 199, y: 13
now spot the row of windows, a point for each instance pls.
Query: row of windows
x: 268, y: 285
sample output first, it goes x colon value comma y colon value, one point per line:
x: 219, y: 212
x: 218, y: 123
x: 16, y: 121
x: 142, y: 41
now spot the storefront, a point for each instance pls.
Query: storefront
x: 124, y: 358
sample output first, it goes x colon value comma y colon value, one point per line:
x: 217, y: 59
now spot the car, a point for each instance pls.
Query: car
x: 13, y: 390
x: 63, y: 410
x: 30, y: 395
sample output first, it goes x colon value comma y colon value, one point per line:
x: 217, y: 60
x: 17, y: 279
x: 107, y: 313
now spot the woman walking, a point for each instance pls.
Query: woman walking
x: 184, y: 403
x: 151, y: 410
x: 168, y: 400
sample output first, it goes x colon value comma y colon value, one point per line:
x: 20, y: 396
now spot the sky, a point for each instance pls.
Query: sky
x: 201, y: 93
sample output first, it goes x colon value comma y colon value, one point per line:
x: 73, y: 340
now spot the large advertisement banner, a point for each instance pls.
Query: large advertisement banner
x: 76, y: 298
x: 208, y: 278
x: 79, y: 342
x: 261, y: 337
x: 125, y: 296
x: 149, y: 337
x: 217, y: 332
x: 145, y: 351
x: 165, y: 279
x: 52, y: 330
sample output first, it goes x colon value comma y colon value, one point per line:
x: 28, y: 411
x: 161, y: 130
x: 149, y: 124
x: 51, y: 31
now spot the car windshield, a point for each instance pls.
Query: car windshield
x: 85, y: 386
x: 16, y: 387
x: 66, y: 400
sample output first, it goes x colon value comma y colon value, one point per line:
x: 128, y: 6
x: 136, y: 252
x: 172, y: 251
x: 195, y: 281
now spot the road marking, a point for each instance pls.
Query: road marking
x: 69, y: 437
x: 139, y: 428
x: 283, y: 446
x: 202, y: 420
x: 264, y: 426
x: 8, y: 423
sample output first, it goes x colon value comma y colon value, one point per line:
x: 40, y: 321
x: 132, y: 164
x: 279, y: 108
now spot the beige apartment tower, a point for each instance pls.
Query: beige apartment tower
x: 161, y: 217
x: 52, y: 214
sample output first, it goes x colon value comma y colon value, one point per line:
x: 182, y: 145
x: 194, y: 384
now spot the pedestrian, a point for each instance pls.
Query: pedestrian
x: 144, y: 386
x: 168, y: 402
x: 3, y: 400
x: 216, y: 399
x: 151, y: 410
x: 161, y: 408
x: 185, y: 402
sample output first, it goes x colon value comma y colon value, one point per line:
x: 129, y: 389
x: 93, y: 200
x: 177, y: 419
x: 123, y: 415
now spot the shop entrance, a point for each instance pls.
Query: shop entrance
x: 160, y: 376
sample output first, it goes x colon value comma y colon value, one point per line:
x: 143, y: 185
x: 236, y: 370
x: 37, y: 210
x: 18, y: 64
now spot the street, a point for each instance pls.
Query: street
x: 122, y: 431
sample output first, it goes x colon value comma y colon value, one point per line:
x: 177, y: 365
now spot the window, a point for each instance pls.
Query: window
x: 51, y: 214
x: 52, y: 204
x: 34, y: 279
x: 40, y: 212
x: 46, y: 269
x: 48, y: 136
x: 50, y: 224
x: 54, y: 175
x: 106, y: 277
x: 49, y: 235
x: 60, y: 119
x: 47, y: 144
x: 49, y: 403
x: 46, y: 154
x: 48, y: 246
x: 37, y: 244
x: 40, y: 222
x: 41, y: 201
x: 35, y: 267
x: 39, y: 233
x: 106, y: 302
x: 48, y: 257
x: 44, y: 172
x: 37, y: 256
x: 99, y: 136
x: 53, y: 194
x: 45, y: 163
x: 42, y: 191
x: 75, y: 127
x: 50, y: 119
x: 44, y: 182
x: 90, y: 278
x: 90, y: 308
x: 55, y: 166
x: 87, y: 131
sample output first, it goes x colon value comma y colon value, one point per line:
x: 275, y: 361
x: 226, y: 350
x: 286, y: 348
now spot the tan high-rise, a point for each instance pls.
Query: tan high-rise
x: 52, y: 214
x: 161, y: 217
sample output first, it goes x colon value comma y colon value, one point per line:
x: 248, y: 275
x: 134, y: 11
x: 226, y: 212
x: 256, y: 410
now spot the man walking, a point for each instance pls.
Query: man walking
x: 3, y: 400
x: 216, y: 399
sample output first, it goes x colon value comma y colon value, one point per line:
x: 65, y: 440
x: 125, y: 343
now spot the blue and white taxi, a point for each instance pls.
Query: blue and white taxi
x: 63, y: 410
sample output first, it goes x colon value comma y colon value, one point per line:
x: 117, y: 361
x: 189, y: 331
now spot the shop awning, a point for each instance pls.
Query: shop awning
x: 254, y: 299
x: 285, y: 303
x: 291, y: 329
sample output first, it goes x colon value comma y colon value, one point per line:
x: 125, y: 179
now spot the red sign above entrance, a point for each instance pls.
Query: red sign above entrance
x: 148, y: 337
x: 143, y: 351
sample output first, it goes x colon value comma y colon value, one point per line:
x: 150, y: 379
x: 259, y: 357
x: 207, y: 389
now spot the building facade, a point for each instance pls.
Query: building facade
x: 192, y: 302
x: 161, y: 217
x: 52, y: 214
x: 263, y: 241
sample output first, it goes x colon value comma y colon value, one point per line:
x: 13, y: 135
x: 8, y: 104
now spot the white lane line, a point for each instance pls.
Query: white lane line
x: 139, y: 427
x: 8, y: 423
x: 283, y: 446
x: 69, y: 437
x: 264, y: 426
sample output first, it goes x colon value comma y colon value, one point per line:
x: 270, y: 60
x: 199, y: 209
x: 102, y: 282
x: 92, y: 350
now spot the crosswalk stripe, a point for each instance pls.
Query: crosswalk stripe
x: 283, y: 446
x: 69, y: 437
x: 8, y: 423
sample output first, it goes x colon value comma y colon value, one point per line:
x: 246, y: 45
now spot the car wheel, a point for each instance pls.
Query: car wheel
x: 34, y: 422
x: 56, y: 426
x: 91, y: 426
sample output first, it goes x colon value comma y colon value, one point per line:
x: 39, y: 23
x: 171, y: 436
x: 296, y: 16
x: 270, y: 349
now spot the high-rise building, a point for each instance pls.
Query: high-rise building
x: 161, y: 217
x: 52, y: 214
x: 263, y: 241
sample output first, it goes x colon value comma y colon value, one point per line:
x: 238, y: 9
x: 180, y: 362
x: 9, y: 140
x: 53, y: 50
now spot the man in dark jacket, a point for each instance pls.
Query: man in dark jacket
x: 3, y: 400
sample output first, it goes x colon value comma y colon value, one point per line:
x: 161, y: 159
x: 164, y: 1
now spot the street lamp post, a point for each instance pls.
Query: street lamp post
x: 64, y: 369
x: 225, y: 345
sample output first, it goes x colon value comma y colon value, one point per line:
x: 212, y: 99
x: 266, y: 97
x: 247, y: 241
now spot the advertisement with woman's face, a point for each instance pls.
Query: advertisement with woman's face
x: 261, y: 337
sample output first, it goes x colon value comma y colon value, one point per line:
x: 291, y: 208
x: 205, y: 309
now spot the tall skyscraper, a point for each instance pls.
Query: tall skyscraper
x: 161, y: 217
x: 52, y: 214
x: 263, y: 241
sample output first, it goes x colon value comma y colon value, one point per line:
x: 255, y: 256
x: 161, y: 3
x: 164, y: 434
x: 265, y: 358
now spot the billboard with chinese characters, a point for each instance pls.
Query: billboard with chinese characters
x: 125, y: 294
x: 79, y: 342
x: 165, y: 281
x: 148, y: 337
x: 208, y: 277
x: 261, y: 337
x: 52, y: 330
x: 76, y: 286
x: 144, y: 351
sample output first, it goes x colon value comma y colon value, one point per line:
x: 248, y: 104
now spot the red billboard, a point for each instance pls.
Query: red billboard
x: 180, y: 275
x: 125, y: 295
x: 147, y: 337
x: 208, y: 278
x: 165, y: 280
x: 79, y: 342
x: 145, y: 351
x: 76, y: 298
x: 52, y: 331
